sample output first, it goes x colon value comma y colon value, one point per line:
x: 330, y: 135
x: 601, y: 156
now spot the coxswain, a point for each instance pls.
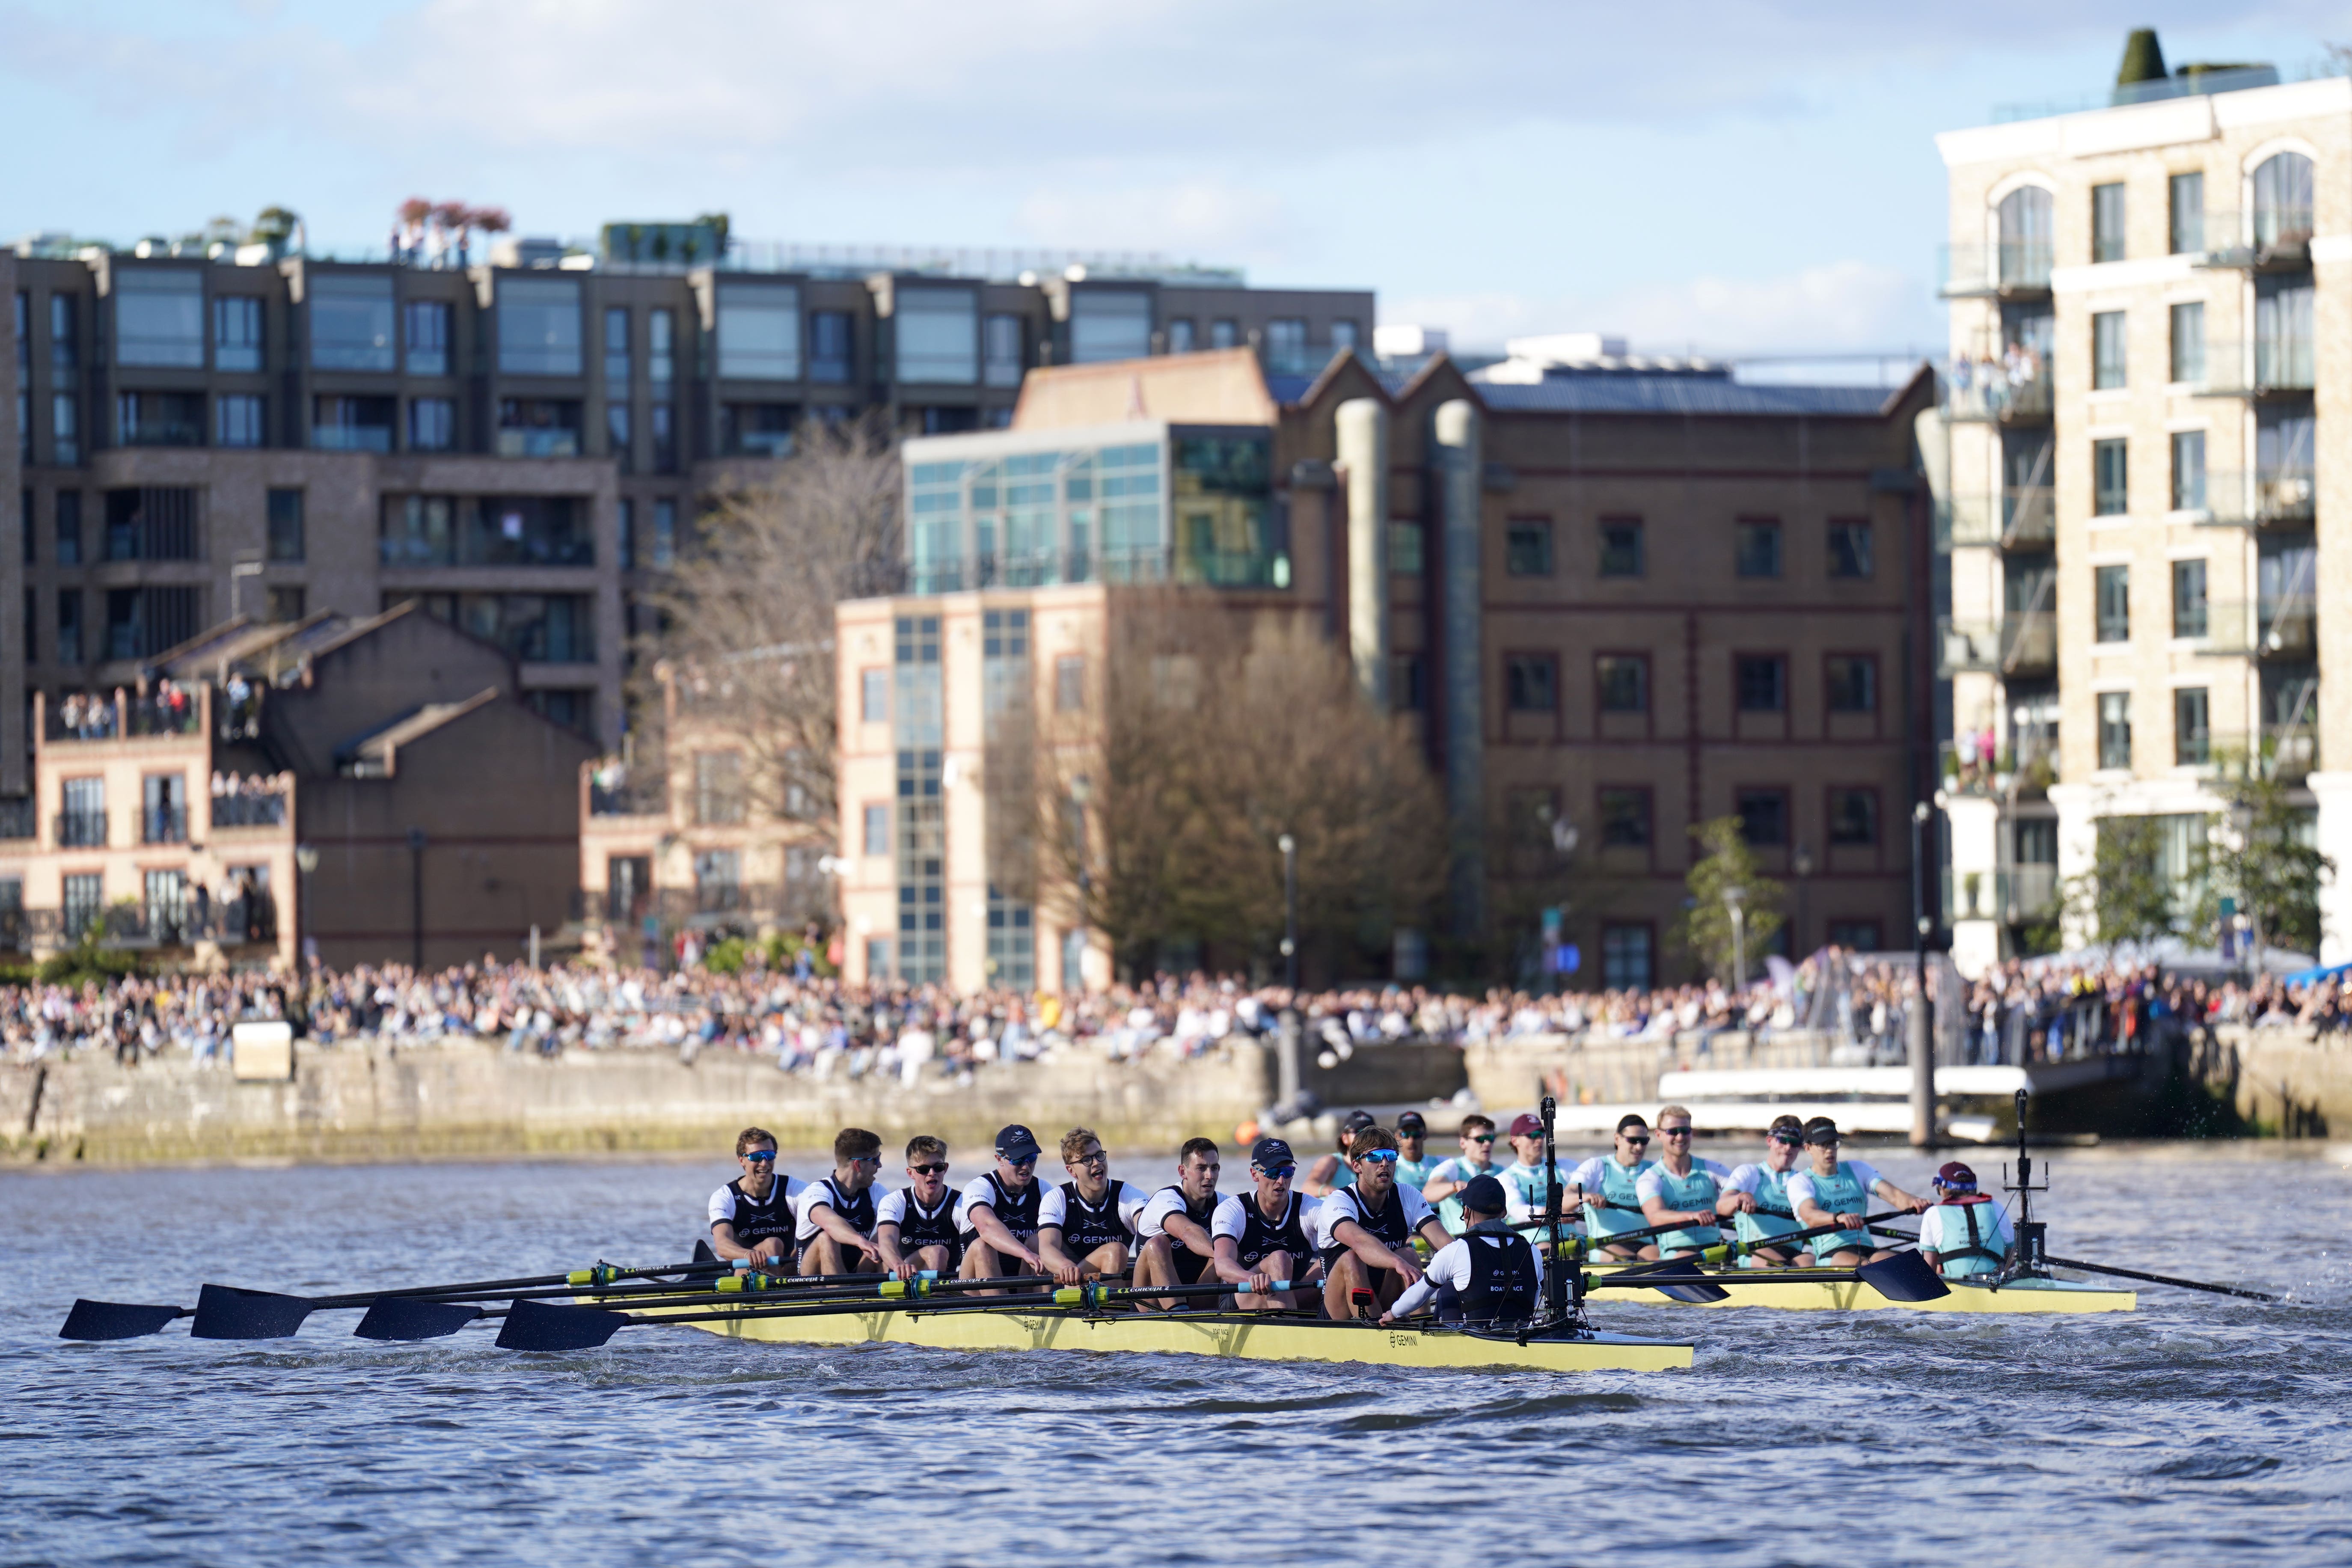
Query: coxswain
x: 1487, y: 1276
x: 997, y: 1218
x: 1767, y: 1213
x: 1523, y: 1179
x: 837, y: 1214
x: 1831, y: 1191
x: 1332, y: 1171
x: 1605, y: 1185
x: 1445, y: 1185
x: 1963, y: 1231
x: 1414, y: 1163
x: 1266, y: 1235
x: 1086, y: 1227
x: 1682, y: 1190
x: 1365, y: 1231
x: 1173, y: 1241
x: 751, y: 1216
x: 915, y: 1225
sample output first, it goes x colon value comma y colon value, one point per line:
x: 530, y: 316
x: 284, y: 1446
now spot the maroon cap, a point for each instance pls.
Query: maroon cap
x: 1952, y: 1174
x: 1527, y: 1124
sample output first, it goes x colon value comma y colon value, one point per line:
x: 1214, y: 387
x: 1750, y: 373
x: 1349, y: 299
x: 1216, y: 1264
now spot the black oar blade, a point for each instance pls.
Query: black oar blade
x: 226, y: 1313
x: 407, y: 1318
x: 538, y: 1326
x: 115, y: 1320
x: 1675, y: 1278
x: 1905, y: 1276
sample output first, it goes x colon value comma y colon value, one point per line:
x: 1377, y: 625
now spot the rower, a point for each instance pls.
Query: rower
x: 1086, y: 1227
x: 837, y: 1216
x: 997, y: 1218
x: 1837, y: 1191
x: 1445, y: 1185
x: 1681, y: 1189
x: 751, y: 1216
x: 1486, y: 1277
x: 1523, y: 1179
x: 1332, y: 1171
x: 1414, y: 1165
x: 1766, y: 1212
x: 915, y: 1225
x: 1605, y: 1185
x: 1264, y: 1236
x: 1366, y: 1231
x: 1172, y: 1230
x: 1963, y: 1232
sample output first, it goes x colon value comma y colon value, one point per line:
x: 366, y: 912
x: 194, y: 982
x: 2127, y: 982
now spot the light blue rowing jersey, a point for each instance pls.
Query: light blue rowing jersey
x: 1845, y: 1193
x: 1697, y: 1190
x: 1614, y: 1182
x: 1775, y: 1213
x: 1523, y: 1186
x: 1458, y: 1169
x: 1415, y: 1173
x: 1967, y: 1238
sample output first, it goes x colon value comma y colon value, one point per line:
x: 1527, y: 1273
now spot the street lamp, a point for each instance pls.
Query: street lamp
x: 1735, y: 899
x: 1922, y: 1026
x: 1081, y: 790
x: 1289, y: 848
x: 306, y: 860
x: 1801, y: 863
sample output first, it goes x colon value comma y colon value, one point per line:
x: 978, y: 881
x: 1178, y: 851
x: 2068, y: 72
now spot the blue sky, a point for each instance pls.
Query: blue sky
x: 1733, y: 177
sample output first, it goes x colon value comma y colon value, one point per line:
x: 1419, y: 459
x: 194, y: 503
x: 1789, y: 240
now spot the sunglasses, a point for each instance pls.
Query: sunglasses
x: 1637, y: 1143
x: 1381, y: 1157
x: 1023, y: 1164
x: 873, y: 1160
x: 1480, y: 1138
x: 939, y: 1170
x: 1098, y: 1158
x: 1276, y: 1173
x: 1791, y: 1139
x: 1675, y: 1131
x: 762, y: 1156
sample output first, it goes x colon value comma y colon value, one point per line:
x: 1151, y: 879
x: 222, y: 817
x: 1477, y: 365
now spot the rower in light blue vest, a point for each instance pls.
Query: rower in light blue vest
x: 1524, y: 1184
x: 1680, y: 1190
x: 1963, y: 1232
x: 1414, y: 1163
x: 1605, y: 1185
x: 1449, y: 1178
x: 1760, y: 1195
x: 1838, y: 1192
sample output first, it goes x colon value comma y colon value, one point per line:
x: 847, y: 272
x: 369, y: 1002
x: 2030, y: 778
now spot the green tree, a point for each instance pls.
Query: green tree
x: 2125, y: 896
x: 1705, y: 929
x: 2263, y: 865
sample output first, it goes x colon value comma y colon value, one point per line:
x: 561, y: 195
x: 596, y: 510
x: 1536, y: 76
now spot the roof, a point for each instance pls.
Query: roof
x: 1216, y: 386
x: 1619, y: 394
x: 377, y: 751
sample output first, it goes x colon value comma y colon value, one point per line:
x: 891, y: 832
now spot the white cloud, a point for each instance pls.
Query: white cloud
x: 1197, y: 219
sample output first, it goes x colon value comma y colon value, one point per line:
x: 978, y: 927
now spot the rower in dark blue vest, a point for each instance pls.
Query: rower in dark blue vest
x: 1086, y: 1227
x: 1366, y: 1231
x: 1488, y: 1277
x: 915, y: 1225
x: 1172, y: 1240
x: 836, y: 1228
x: 998, y: 1216
x: 751, y: 1216
x: 1265, y: 1236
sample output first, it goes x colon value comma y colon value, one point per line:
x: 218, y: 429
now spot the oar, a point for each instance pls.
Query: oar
x: 2162, y: 1280
x: 228, y: 1312
x: 1905, y: 1276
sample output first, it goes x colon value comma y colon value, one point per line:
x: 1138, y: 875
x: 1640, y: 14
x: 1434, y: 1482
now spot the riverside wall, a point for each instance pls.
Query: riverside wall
x: 2290, y: 1082
x: 470, y: 1100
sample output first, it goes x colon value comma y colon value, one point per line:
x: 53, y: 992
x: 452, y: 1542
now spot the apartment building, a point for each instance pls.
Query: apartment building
x: 2141, y: 430
x: 1614, y: 595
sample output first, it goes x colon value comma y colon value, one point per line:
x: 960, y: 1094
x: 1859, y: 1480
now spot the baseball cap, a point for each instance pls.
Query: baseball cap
x: 1357, y: 1121
x: 1268, y: 1152
x: 1016, y: 1143
x: 1527, y: 1124
x: 1411, y: 1121
x: 1630, y: 1120
x: 1485, y: 1194
x: 1952, y: 1174
x: 1821, y: 1129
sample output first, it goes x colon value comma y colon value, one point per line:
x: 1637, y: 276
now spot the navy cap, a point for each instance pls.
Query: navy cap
x: 1821, y: 1129
x: 1484, y: 1194
x: 1016, y: 1143
x: 1411, y: 1121
x: 1357, y: 1121
x: 1268, y: 1152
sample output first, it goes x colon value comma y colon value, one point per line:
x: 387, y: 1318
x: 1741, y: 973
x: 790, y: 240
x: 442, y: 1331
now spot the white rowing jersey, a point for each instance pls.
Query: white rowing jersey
x: 1153, y: 1219
x: 755, y: 1220
x: 1095, y: 1224
x: 1348, y: 1203
x: 857, y: 1207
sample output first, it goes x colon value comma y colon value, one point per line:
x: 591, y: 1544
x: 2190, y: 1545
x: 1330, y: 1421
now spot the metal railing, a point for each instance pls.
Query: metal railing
x: 2262, y: 368
x: 2016, y: 644
x: 1039, y: 569
x: 537, y: 443
x: 175, y: 923
x: 2263, y: 240
x: 20, y: 818
x: 649, y: 799
x: 2028, y: 765
x: 2023, y: 893
x: 80, y: 830
x: 1997, y: 390
x: 265, y: 809
x: 2014, y: 267
x: 2266, y: 498
x: 720, y: 904
x: 163, y: 824
x: 2280, y: 628
x: 2020, y: 517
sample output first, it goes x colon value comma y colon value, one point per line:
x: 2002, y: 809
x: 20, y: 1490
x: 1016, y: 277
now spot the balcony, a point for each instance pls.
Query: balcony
x: 2266, y: 367
x: 18, y: 819
x: 2280, y: 628
x: 2018, y: 270
x: 628, y: 799
x: 2025, y: 769
x: 2270, y: 498
x: 1048, y: 568
x: 1997, y: 392
x: 173, y: 924
x: 80, y: 829
x: 2024, y: 892
x: 2273, y: 239
x: 2024, y: 643
x: 249, y: 805
x: 2022, y: 517
x: 163, y: 824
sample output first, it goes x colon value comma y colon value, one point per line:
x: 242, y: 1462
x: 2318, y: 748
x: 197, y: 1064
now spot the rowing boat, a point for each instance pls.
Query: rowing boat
x: 1789, y: 1290
x: 1234, y: 1336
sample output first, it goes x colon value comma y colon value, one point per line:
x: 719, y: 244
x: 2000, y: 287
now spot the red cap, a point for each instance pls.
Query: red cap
x: 1952, y: 1174
x: 1527, y: 1124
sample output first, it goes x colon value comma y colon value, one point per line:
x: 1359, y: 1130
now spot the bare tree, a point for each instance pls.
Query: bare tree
x: 746, y: 614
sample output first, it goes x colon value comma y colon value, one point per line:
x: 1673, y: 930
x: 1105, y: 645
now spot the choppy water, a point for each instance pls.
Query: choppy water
x: 2201, y: 1428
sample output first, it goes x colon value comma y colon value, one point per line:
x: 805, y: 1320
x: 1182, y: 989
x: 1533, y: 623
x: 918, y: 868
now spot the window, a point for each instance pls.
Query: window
x: 1625, y: 958
x: 285, y: 602
x: 67, y: 524
x: 664, y: 534
x: 2188, y: 616
x: 2189, y: 471
x: 757, y: 430
x: 238, y: 420
x: 1225, y: 334
x: 69, y: 626
x: 1109, y: 324
x: 1624, y: 818
x: 2186, y: 194
x: 1343, y: 336
x: 2106, y: 351
x: 2112, y: 591
x: 1526, y: 547
x: 1859, y: 936
x: 1620, y: 547
x: 426, y: 326
x: 551, y: 628
x: 1852, y: 681
x: 874, y: 696
x: 1851, y: 553
x: 1070, y: 683
x: 65, y: 336
x: 65, y: 428
x: 661, y: 364
x: 433, y: 424
x: 1853, y: 816
x: 1001, y: 350
x: 286, y: 542
x: 539, y: 326
x: 32, y: 626
x: 759, y: 333
x: 626, y: 530
x: 2189, y: 341
x: 2115, y: 729
x: 1531, y: 683
x: 717, y: 788
x: 156, y: 522
x: 2282, y: 190
x: 1762, y: 680
x: 617, y: 435
x: 2108, y: 223
x: 2192, y: 738
x: 1763, y: 816
x: 939, y: 336
x: 350, y: 424
x: 537, y: 427
x: 160, y: 419
x: 829, y: 346
x: 493, y: 531
x: 717, y: 880
x: 1286, y: 347
x: 25, y: 524
x: 85, y: 891
x: 142, y: 622
x: 1404, y: 548
x: 2110, y: 489
x: 616, y: 350
x: 877, y: 829
x: 664, y: 429
x: 350, y: 322
x: 158, y: 317
x: 1182, y: 337
x: 236, y: 332
x: 1623, y: 682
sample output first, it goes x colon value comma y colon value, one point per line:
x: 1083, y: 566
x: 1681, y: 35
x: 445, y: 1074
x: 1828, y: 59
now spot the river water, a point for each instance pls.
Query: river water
x: 2202, y: 1427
